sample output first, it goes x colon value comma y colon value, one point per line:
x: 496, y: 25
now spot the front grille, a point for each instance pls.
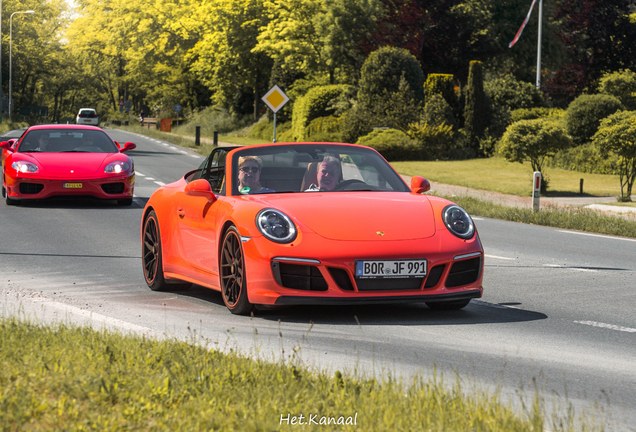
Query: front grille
x: 342, y: 278
x: 298, y: 276
x: 433, y: 276
x: 392, y: 284
x: 113, y: 188
x: 463, y: 272
x: 31, y: 188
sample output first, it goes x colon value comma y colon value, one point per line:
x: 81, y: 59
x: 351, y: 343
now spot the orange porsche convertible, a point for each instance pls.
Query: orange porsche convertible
x: 309, y: 223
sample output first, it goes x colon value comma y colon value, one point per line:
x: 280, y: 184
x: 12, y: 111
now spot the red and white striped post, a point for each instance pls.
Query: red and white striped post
x: 536, y: 190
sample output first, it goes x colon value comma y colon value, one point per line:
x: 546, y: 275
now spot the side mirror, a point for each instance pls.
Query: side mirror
x: 6, y: 145
x: 419, y: 185
x: 200, y: 188
x: 128, y: 146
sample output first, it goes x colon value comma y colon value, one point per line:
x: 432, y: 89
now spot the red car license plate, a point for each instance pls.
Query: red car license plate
x: 72, y: 185
x: 391, y: 268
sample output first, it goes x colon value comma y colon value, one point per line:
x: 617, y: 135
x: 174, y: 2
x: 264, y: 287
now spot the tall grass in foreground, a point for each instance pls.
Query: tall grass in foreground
x: 574, y: 218
x: 74, y: 378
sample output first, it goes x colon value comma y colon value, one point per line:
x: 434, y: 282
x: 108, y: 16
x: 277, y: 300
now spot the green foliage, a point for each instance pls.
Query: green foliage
x: 392, y: 144
x: 512, y: 93
x: 622, y: 85
x: 69, y: 378
x: 443, y: 85
x: 324, y: 129
x: 382, y: 73
x: 436, y: 141
x: 318, y: 102
x: 533, y: 141
x: 584, y: 115
x: 476, y: 108
x: 438, y: 112
x: 316, y: 35
x: 211, y: 119
x: 264, y: 130
x: 535, y: 113
x: 617, y: 136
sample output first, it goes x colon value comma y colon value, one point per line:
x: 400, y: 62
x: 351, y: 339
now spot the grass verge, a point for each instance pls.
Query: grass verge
x: 573, y: 218
x: 75, y: 378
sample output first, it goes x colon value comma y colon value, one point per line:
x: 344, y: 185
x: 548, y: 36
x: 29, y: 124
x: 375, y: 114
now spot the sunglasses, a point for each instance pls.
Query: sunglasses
x: 254, y: 170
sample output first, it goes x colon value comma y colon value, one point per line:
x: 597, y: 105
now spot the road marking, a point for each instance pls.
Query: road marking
x: 498, y: 257
x: 99, y: 318
x: 160, y: 183
x: 492, y: 305
x: 140, y: 174
x: 476, y: 218
x: 598, y: 235
x: 571, y: 268
x: 149, y: 178
x: 195, y: 156
x: 607, y: 326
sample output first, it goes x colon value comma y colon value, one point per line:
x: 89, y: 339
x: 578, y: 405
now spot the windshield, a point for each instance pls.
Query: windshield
x: 300, y: 168
x: 67, y: 140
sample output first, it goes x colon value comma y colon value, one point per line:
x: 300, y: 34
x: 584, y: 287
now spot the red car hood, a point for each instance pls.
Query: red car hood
x: 360, y: 215
x: 67, y: 163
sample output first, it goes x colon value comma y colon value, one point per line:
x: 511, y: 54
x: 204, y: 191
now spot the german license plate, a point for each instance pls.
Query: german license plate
x: 391, y: 268
x: 72, y: 185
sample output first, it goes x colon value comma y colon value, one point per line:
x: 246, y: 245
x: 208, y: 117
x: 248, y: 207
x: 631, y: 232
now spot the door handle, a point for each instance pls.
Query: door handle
x: 181, y: 212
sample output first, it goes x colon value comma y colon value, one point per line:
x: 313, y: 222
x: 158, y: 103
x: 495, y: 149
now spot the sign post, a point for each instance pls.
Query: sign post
x: 178, y: 109
x: 275, y: 99
x: 536, y: 190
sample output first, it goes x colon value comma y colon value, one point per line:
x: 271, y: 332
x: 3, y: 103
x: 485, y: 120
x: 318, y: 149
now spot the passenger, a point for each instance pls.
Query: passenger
x: 43, y: 142
x: 328, y: 175
x: 250, y: 174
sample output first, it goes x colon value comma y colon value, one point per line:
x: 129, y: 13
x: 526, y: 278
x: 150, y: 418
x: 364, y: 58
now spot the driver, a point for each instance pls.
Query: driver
x: 328, y: 175
x: 87, y: 140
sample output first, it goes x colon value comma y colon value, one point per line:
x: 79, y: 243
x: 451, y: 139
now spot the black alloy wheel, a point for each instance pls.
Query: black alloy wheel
x: 152, y: 259
x: 233, y: 284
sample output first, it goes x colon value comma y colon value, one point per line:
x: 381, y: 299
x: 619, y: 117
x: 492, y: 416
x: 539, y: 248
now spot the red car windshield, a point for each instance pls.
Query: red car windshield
x: 66, y: 141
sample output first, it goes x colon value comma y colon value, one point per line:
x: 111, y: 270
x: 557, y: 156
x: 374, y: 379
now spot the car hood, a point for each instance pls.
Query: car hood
x: 67, y: 163
x: 359, y: 216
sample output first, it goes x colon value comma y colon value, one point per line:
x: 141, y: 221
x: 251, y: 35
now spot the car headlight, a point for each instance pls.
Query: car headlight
x: 25, y: 167
x: 458, y: 222
x: 117, y: 167
x: 276, y: 226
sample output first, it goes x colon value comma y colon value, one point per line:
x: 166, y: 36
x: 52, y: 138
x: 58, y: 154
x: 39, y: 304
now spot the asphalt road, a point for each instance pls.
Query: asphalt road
x: 557, y: 311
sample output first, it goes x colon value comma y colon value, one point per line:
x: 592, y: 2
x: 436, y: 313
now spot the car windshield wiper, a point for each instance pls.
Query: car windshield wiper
x: 76, y: 151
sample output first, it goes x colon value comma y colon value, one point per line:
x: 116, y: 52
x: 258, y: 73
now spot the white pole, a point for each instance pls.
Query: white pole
x: 536, y: 190
x: 539, y: 46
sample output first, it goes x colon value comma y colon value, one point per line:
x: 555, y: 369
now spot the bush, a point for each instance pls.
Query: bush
x: 443, y: 85
x: 324, y: 129
x: 514, y: 94
x: 535, y: 113
x: 476, y: 109
x: 622, y: 85
x: 436, y: 141
x: 383, y: 70
x: 585, y: 113
x: 438, y: 112
x: 392, y: 144
x: 584, y: 158
x: 318, y: 102
x: 211, y: 119
x: 264, y: 130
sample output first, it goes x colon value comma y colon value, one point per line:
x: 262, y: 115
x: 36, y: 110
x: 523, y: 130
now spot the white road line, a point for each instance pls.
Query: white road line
x: 160, y: 183
x: 165, y: 144
x: 498, y: 257
x: 476, y: 218
x: 492, y: 305
x: 598, y: 235
x: 607, y: 326
x: 149, y: 178
x: 571, y: 268
x: 140, y: 174
x: 99, y: 318
x: 195, y: 156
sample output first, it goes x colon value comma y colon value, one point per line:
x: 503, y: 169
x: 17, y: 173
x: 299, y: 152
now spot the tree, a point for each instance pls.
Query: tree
x: 622, y: 85
x: 319, y: 35
x: 533, y: 141
x: 476, y: 109
x: 585, y: 113
x: 617, y: 136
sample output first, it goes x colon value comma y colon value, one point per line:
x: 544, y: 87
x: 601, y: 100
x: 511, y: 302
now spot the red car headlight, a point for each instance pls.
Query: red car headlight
x: 25, y: 167
x: 117, y: 167
x: 276, y: 226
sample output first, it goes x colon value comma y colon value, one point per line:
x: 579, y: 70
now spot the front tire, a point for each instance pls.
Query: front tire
x: 233, y: 283
x: 151, y: 256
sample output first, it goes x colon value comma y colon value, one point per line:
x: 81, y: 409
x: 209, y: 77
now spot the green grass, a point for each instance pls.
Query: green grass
x: 73, y: 378
x: 498, y: 175
x: 573, y: 218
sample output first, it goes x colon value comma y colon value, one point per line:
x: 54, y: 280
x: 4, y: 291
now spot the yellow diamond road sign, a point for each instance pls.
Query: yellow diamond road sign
x: 275, y: 98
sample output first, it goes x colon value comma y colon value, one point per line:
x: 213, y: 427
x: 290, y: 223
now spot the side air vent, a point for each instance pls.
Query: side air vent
x: 113, y: 188
x: 342, y: 278
x: 433, y: 276
x: 463, y: 272
x: 299, y: 276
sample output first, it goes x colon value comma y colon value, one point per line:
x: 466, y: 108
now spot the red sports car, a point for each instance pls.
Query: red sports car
x: 309, y: 223
x: 64, y: 160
